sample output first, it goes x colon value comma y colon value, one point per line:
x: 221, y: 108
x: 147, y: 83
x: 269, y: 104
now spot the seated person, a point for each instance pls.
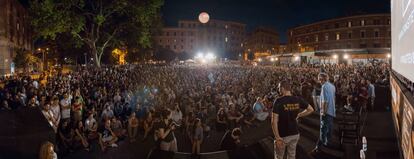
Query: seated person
x: 132, y: 127
x: 80, y: 136
x: 249, y: 117
x: 230, y: 140
x: 259, y: 110
x: 234, y: 116
x: 221, y: 120
x: 117, y: 128
x: 107, y: 137
x: 91, y: 127
x: 66, y: 135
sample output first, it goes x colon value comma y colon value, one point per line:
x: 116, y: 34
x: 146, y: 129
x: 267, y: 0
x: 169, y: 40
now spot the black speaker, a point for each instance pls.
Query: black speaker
x: 260, y: 150
x: 22, y: 133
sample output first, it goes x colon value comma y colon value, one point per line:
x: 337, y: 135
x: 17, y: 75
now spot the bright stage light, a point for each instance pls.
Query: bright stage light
x: 346, y: 56
x: 297, y: 58
x: 210, y: 56
x: 199, y: 55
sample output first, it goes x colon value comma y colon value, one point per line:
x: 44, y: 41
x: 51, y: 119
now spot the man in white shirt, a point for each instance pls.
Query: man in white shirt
x: 65, y: 104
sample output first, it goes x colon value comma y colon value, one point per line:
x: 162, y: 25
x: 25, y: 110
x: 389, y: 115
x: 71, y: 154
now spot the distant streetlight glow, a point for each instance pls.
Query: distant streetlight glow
x: 260, y: 59
x: 277, y: 59
x: 297, y: 58
x: 388, y: 55
x: 272, y: 59
x: 335, y: 56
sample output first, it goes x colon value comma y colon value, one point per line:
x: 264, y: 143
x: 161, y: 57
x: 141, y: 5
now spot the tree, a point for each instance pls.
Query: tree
x: 24, y: 59
x: 98, y: 24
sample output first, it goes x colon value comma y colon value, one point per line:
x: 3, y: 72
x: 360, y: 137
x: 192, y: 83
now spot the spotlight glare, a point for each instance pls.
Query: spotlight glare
x: 199, y: 55
x: 297, y: 58
x: 210, y: 56
x: 346, y: 56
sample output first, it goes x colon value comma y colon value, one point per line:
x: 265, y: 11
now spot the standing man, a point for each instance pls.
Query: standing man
x: 286, y: 112
x: 371, y: 94
x: 327, y: 111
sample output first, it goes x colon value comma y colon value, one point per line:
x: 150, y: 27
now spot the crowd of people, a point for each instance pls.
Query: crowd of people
x: 109, y: 104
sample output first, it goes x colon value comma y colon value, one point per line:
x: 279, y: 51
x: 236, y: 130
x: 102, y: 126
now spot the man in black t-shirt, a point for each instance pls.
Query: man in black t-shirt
x: 286, y: 111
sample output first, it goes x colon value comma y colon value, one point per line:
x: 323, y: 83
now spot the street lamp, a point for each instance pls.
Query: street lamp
x: 388, y: 55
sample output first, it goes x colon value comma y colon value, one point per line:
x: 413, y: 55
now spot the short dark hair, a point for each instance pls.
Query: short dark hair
x: 285, y: 85
x: 236, y: 132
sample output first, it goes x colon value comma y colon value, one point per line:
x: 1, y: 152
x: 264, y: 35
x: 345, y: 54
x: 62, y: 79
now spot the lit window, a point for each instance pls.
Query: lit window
x: 316, y: 38
x: 338, y: 36
x: 362, y: 22
x: 349, y: 24
x: 326, y: 37
x: 226, y: 39
x: 175, y: 40
x: 226, y: 26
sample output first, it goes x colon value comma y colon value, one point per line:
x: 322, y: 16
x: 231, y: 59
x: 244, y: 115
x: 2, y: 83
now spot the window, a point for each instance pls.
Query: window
x: 349, y: 24
x: 362, y: 34
x: 377, y: 45
x: 362, y: 22
x: 377, y: 22
x: 326, y: 37
x: 160, y: 41
x: 168, y: 33
x: 175, y: 46
x: 389, y: 21
x: 316, y: 38
x: 18, y: 26
x: 336, y: 25
x: 226, y: 39
x: 349, y: 35
x: 175, y: 33
x: 362, y: 45
x: 338, y: 36
x: 175, y: 40
x: 376, y: 34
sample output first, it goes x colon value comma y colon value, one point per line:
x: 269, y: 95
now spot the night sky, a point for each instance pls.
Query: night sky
x: 278, y: 14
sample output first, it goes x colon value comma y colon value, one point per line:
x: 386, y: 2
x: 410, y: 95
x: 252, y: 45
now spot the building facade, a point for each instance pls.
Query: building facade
x: 262, y: 41
x: 357, y: 37
x: 15, y: 33
x: 216, y: 36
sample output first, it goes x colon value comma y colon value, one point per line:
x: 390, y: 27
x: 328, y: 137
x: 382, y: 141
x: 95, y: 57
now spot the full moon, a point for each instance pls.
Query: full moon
x: 203, y: 17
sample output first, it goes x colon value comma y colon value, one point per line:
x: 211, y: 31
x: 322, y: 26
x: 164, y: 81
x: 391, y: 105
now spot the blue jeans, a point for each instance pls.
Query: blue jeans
x: 325, y: 130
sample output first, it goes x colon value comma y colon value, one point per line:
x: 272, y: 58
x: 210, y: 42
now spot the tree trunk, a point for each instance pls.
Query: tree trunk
x: 96, y: 59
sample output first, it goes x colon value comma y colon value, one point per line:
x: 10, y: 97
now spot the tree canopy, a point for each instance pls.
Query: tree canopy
x: 98, y: 24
